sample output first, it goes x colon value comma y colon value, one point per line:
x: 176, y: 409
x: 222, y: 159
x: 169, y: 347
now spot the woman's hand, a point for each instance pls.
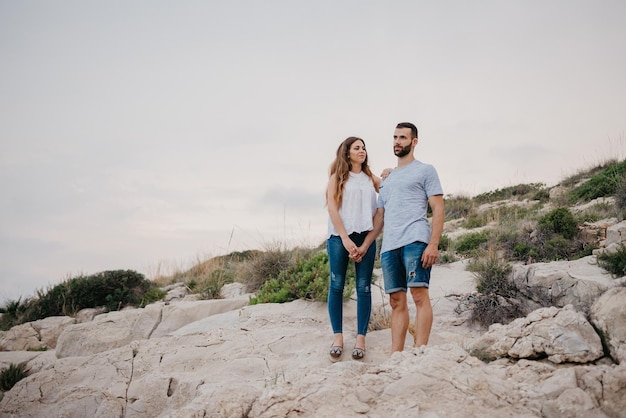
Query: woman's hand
x: 360, y: 253
x: 350, y: 247
x: 385, y: 173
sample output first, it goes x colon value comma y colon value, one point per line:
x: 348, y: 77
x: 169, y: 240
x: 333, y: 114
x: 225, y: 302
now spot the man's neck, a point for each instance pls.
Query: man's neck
x: 407, y: 159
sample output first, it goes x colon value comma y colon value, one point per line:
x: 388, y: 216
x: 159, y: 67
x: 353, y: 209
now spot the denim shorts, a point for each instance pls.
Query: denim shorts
x: 402, y: 268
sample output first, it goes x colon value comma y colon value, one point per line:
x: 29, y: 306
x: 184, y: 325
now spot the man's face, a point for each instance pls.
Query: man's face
x: 402, y: 142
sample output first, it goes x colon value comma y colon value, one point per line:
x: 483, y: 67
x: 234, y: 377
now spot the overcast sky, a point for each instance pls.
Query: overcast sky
x: 148, y: 135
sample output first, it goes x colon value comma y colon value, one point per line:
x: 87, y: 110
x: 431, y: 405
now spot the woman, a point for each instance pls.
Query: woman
x: 351, y: 200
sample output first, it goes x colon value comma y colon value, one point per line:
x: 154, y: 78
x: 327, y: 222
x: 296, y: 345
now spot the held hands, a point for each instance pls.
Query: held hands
x: 355, y: 253
x: 360, y: 253
x: 351, y: 248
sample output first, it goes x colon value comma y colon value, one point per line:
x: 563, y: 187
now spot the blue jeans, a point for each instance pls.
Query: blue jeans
x: 402, y: 268
x: 338, y: 259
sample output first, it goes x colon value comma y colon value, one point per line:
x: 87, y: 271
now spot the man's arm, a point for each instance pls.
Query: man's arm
x: 431, y: 253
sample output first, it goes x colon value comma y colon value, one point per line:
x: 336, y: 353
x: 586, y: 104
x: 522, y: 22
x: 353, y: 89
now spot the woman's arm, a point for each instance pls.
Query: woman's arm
x: 376, y: 181
x: 335, y: 218
x: 371, y: 236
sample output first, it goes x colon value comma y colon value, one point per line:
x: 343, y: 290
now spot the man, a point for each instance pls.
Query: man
x: 410, y: 245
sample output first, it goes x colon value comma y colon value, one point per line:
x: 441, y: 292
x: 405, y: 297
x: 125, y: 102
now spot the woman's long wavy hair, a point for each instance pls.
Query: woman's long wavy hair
x: 341, y: 167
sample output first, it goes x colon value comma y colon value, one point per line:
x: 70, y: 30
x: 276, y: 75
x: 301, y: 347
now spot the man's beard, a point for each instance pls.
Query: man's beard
x: 402, y: 151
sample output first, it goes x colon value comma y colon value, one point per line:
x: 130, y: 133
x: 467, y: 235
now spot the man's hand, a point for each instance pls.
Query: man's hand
x: 430, y: 255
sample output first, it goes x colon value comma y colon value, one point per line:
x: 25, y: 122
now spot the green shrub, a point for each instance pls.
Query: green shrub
x: 498, y: 298
x: 525, y: 251
x: 444, y: 242
x: 211, y: 286
x: 614, y: 263
x: 446, y: 257
x: 508, y: 215
x: 597, y: 212
x: 12, y: 374
x: 307, y: 279
x: 620, y: 193
x: 475, y: 220
x: 113, y: 289
x: 604, y: 183
x: 542, y: 195
x: 264, y: 266
x: 492, y: 308
x: 154, y: 294
x: 559, y: 221
x: 492, y: 275
x: 518, y: 191
x: 469, y: 243
x: 557, y: 248
x: 12, y: 312
x: 458, y: 207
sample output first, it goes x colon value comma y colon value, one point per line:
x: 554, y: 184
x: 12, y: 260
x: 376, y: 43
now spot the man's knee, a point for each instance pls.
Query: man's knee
x: 397, y: 300
x: 420, y: 296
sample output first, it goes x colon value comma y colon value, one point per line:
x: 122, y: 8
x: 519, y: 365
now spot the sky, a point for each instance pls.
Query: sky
x: 151, y: 135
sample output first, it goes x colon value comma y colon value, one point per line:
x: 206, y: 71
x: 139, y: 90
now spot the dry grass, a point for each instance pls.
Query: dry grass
x: 380, y: 319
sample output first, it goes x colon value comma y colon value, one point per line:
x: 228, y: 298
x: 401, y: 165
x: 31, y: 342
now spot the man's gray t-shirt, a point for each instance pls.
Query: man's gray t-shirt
x: 404, y: 196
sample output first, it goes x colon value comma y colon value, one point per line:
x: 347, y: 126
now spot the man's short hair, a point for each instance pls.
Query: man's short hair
x: 409, y: 125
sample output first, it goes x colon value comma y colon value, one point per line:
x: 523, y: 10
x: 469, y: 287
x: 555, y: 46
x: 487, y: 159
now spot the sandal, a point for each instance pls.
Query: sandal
x: 358, y: 353
x: 336, y: 351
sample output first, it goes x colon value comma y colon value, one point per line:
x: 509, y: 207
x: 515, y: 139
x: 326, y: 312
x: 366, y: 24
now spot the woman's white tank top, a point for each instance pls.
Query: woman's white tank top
x: 358, y: 206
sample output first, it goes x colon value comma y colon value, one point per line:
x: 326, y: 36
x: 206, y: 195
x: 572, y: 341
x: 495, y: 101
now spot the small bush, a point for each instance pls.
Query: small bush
x: 557, y: 248
x: 620, y: 194
x: 307, y: 279
x: 519, y: 191
x: 12, y: 312
x: 211, y: 286
x: 469, y: 243
x: 113, y: 289
x: 447, y: 253
x: 497, y: 300
x: 492, y: 275
x: 444, y: 242
x: 154, y: 294
x: 475, y: 220
x: 265, y: 265
x: 559, y: 221
x: 580, y: 175
x: 604, y: 183
x: 458, y: 207
x: 525, y: 251
x: 542, y: 195
x: 492, y: 308
x: 446, y: 257
x: 614, y: 263
x: 597, y: 212
x: 12, y: 374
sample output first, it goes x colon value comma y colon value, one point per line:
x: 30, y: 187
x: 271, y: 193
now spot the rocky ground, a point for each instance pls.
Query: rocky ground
x: 224, y: 358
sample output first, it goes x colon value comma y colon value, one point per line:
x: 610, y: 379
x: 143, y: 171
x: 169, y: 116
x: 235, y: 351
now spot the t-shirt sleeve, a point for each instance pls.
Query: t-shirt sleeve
x: 432, y: 185
x: 380, y: 202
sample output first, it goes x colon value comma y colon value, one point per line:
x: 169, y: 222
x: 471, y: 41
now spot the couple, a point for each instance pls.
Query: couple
x: 409, y: 245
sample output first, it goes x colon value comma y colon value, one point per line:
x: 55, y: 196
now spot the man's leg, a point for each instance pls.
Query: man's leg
x: 399, y: 320
x: 423, y: 316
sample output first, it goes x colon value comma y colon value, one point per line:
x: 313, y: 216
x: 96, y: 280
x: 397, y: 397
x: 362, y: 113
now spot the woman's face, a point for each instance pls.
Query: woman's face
x: 357, y: 153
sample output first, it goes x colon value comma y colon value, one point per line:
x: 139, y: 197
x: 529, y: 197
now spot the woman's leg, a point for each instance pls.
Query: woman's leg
x: 338, y: 260
x: 363, y: 291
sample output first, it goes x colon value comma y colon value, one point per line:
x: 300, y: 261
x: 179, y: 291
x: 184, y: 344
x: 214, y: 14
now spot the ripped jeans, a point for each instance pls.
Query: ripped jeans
x: 402, y: 268
x: 338, y: 259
